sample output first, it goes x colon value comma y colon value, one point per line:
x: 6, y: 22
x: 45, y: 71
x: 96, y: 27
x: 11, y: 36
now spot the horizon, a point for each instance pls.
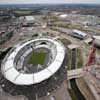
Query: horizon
x: 49, y: 2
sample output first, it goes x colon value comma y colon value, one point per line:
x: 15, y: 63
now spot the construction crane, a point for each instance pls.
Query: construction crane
x: 92, y: 55
x: 92, y: 60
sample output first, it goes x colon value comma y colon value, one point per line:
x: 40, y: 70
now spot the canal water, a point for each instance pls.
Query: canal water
x: 74, y: 88
x: 76, y: 91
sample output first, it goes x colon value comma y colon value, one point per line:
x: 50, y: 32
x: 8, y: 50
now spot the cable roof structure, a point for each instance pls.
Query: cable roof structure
x: 9, y: 64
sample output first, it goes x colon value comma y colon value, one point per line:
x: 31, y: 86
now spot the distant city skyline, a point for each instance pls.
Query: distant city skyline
x: 49, y: 1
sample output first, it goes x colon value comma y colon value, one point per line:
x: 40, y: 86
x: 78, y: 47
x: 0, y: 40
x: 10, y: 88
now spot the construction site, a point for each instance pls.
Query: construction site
x: 49, y: 56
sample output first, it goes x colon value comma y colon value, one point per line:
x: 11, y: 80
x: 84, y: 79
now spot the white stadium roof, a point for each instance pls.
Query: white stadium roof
x: 11, y: 74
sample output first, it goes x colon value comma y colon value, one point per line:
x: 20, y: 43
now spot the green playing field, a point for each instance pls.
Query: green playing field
x: 37, y: 58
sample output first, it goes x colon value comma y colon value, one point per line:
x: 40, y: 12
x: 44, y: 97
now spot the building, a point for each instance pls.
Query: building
x: 17, y: 71
x: 41, y: 79
x: 78, y: 34
x: 63, y: 15
x: 97, y: 40
x: 29, y: 19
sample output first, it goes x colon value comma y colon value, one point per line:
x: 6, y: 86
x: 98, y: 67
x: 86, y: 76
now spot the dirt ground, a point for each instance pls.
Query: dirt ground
x: 60, y: 94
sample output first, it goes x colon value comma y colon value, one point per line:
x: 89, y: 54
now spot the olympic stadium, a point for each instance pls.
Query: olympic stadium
x: 34, y: 65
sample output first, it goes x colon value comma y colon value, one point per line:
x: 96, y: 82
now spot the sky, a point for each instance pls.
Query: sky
x: 48, y: 1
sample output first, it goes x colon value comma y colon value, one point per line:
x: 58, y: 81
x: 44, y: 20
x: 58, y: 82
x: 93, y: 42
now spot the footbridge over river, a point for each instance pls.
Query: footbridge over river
x: 75, y: 73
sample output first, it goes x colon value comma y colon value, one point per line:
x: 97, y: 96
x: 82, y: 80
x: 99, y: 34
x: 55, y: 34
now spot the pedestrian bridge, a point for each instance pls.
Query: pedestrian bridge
x: 75, y: 73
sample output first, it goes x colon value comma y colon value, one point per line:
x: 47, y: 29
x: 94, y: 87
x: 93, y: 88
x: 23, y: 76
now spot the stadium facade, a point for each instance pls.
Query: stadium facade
x: 12, y: 66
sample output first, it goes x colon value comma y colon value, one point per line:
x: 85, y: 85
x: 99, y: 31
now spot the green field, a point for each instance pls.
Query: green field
x: 37, y: 58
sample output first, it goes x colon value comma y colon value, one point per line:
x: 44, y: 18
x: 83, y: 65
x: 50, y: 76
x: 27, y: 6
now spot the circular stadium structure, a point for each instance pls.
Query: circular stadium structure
x: 21, y: 68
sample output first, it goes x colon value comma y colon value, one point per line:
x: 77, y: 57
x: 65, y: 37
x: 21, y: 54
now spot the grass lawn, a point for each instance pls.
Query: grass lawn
x: 37, y: 58
x: 79, y: 59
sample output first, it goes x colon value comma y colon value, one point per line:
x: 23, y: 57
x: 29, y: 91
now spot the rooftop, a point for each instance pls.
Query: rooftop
x: 79, y: 32
x: 29, y: 18
x: 96, y: 37
x: 73, y: 46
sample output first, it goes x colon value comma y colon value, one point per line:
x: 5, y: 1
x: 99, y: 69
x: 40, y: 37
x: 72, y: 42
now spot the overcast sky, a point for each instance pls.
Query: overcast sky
x: 48, y: 1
